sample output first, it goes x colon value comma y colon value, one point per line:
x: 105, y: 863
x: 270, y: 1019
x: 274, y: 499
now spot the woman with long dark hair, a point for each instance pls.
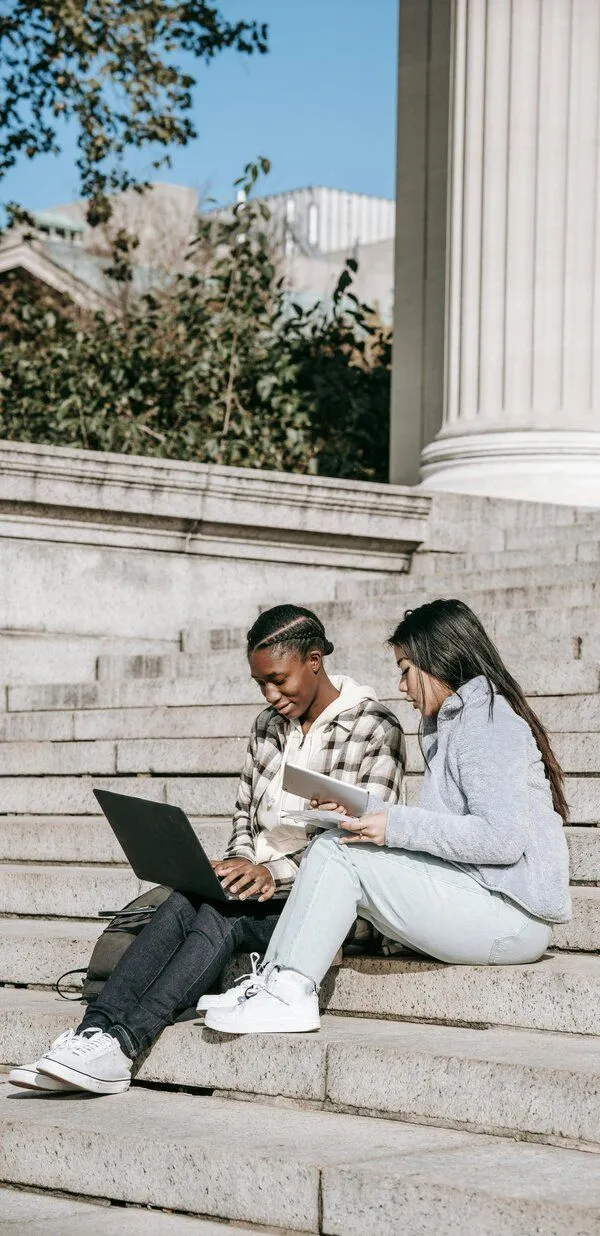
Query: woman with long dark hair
x: 330, y: 725
x: 474, y: 875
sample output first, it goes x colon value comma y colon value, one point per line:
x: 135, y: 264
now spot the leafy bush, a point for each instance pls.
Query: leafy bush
x: 219, y: 367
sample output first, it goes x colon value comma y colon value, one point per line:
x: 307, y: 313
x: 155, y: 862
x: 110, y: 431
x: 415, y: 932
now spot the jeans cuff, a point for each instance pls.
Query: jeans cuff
x: 127, y: 1043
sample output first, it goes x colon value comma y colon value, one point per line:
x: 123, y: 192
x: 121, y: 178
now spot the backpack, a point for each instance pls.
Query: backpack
x: 114, y: 942
x: 128, y: 922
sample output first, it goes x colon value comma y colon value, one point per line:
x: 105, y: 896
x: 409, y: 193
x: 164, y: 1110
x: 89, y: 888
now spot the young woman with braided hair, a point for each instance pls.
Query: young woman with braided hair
x: 476, y: 874
x: 329, y: 725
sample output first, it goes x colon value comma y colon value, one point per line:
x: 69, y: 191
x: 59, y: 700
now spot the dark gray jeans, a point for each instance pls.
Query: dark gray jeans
x: 175, y: 959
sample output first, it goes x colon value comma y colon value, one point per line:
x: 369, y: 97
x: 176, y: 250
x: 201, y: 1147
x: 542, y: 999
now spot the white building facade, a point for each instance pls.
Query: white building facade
x: 326, y: 220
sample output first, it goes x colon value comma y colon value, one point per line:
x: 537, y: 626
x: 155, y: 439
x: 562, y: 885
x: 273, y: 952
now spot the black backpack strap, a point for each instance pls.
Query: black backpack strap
x: 67, y: 973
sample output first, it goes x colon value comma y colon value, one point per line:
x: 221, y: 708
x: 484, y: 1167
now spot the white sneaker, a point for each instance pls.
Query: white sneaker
x: 28, y: 1077
x: 92, y: 1060
x: 280, y: 1002
x: 228, y: 999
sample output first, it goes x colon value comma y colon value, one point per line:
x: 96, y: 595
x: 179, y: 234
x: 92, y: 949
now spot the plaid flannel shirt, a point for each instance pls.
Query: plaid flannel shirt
x: 364, y: 746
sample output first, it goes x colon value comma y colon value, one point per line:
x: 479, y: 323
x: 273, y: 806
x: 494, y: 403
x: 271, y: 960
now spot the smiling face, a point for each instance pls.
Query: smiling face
x: 286, y: 681
x: 426, y: 693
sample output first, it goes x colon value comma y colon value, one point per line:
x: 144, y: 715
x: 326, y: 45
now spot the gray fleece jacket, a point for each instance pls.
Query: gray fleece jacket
x: 486, y: 804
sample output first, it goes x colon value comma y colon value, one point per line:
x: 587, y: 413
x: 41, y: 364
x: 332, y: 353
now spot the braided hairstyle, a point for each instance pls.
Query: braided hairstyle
x: 289, y: 627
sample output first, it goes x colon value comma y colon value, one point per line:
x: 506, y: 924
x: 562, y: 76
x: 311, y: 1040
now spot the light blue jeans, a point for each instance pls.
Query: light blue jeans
x: 420, y: 901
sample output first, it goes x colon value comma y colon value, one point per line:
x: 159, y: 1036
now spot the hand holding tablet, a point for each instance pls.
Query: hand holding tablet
x: 317, y: 787
x: 313, y: 785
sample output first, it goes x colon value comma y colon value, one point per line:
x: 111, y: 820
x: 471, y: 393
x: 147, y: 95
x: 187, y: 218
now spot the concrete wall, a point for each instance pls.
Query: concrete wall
x: 111, y: 553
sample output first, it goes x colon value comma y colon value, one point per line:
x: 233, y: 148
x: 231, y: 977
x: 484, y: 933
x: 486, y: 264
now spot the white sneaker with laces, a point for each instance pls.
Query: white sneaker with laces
x: 28, y: 1077
x: 279, y: 1002
x: 93, y: 1060
x: 228, y: 999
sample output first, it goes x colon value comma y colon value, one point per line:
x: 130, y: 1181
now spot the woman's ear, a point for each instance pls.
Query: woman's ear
x: 315, y: 660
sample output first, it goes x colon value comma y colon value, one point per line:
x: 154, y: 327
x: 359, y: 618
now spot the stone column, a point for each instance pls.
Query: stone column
x: 418, y: 367
x: 521, y: 402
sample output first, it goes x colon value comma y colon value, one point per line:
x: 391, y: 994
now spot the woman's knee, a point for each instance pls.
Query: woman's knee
x: 523, y: 946
x: 324, y: 846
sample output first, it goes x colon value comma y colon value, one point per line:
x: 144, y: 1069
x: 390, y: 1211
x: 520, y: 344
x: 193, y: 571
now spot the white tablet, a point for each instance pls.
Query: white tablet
x: 308, y: 785
x: 314, y: 818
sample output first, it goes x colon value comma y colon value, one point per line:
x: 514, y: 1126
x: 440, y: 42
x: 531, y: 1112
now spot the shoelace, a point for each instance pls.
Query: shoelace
x: 63, y: 1039
x: 254, y: 974
x: 261, y: 986
x: 90, y: 1041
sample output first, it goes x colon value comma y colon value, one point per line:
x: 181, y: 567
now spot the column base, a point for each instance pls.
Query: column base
x: 530, y: 465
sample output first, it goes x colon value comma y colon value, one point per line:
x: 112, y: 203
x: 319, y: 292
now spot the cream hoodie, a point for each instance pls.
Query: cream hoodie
x: 278, y: 838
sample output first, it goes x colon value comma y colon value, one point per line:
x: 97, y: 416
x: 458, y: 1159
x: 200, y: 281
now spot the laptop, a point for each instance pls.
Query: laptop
x: 161, y: 845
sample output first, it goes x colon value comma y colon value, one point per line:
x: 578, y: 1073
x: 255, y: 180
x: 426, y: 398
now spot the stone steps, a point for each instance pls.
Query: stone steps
x: 210, y: 796
x: 182, y: 692
x: 375, y: 651
x: 36, y: 954
x: 200, y: 756
x: 584, y: 852
x: 569, y: 714
x: 67, y: 890
x: 189, y: 683
x: 376, y: 618
x: 574, y: 633
x: 423, y: 1073
x: 491, y: 515
x: 73, y: 795
x: 426, y: 562
x: 560, y: 993
x: 483, y: 600
x: 205, y: 721
x: 372, y: 662
x: 561, y: 714
x: 308, y: 1171
x: 89, y: 839
x: 500, y: 1081
x: 550, y: 538
x: 47, y: 1214
x: 45, y: 656
x: 542, y: 572
x: 205, y: 756
x: 567, y: 677
x: 230, y: 642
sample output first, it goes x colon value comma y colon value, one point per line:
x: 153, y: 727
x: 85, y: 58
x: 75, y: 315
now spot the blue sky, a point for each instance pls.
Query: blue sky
x: 320, y: 105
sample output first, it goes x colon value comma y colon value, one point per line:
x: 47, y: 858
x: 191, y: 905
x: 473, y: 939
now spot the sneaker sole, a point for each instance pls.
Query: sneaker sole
x: 26, y: 1079
x: 225, y: 1026
x: 203, y: 1008
x: 83, y: 1081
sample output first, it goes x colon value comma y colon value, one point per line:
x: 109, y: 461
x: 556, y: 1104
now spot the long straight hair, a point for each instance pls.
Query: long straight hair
x: 447, y: 640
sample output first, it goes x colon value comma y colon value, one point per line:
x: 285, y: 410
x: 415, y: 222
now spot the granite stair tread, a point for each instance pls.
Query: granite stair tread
x: 89, y: 839
x: 500, y: 1081
x: 47, y: 1214
x: 578, y: 713
x: 559, y: 993
x: 211, y: 796
x: 576, y: 752
x: 309, y: 1171
x: 68, y: 890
